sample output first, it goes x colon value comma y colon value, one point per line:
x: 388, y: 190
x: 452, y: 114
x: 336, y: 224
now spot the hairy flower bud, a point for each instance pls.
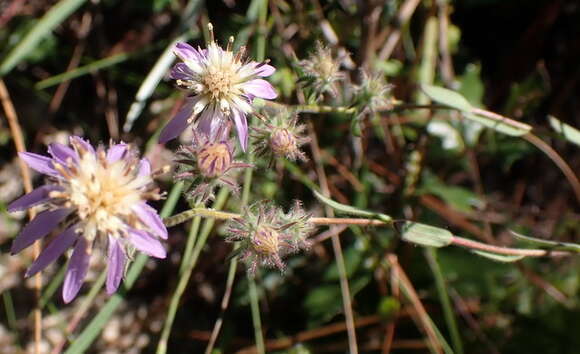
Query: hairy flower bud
x: 282, y: 137
x: 266, y: 234
x: 207, y: 163
x: 322, y: 71
x: 214, y: 159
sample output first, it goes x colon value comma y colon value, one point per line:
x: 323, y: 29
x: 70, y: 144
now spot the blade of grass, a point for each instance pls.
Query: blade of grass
x: 184, y: 278
x: 55, y: 16
x: 431, y: 255
x: 92, y: 330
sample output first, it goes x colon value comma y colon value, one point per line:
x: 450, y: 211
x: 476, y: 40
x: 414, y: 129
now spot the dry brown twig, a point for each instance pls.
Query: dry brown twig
x: 18, y: 138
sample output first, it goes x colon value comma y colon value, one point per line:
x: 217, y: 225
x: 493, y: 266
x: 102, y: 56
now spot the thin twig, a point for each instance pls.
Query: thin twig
x: 559, y: 161
x: 17, y: 135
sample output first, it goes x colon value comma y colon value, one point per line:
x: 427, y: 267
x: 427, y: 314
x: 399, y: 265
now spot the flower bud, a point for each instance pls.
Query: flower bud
x: 214, y: 159
x: 266, y: 241
x: 283, y: 142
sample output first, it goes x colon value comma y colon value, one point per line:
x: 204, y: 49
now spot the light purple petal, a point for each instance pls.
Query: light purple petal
x: 39, y: 163
x: 115, y: 265
x: 57, y: 247
x: 260, y: 88
x: 82, y: 142
x: 62, y: 152
x: 76, y: 271
x: 181, y: 71
x: 39, y: 227
x: 116, y: 152
x: 146, y: 243
x: 144, y: 168
x: 185, y: 52
x: 178, y: 123
x: 242, y: 127
x: 265, y: 70
x: 151, y: 219
x: 37, y: 196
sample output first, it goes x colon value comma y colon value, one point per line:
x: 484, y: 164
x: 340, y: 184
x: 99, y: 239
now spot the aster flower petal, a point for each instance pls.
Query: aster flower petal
x: 39, y: 227
x: 149, y: 217
x: 77, y: 270
x: 178, y: 123
x: 37, y: 196
x: 54, y: 250
x: 115, y: 266
x: 264, y: 70
x: 62, y: 152
x: 241, y: 127
x: 260, y: 88
x: 146, y: 243
x: 181, y: 71
x: 83, y: 143
x: 185, y: 52
x: 39, y: 163
x: 144, y: 168
x: 116, y: 152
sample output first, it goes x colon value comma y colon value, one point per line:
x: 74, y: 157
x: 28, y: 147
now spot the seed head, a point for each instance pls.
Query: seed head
x: 282, y: 137
x: 267, y: 234
x: 322, y: 71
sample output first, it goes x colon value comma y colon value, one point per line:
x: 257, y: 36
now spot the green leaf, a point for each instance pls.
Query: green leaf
x: 47, y: 23
x: 567, y: 131
x: 504, y: 126
x: 83, y: 70
x: 504, y: 258
x: 423, y: 235
x: 447, y: 97
x: 547, y: 244
x: 347, y: 209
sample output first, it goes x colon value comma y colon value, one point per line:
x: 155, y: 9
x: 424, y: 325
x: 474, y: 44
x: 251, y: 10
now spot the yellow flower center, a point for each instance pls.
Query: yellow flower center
x: 218, y: 83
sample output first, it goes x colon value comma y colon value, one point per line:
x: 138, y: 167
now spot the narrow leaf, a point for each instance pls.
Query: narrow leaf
x: 568, y: 132
x: 547, y: 244
x: 56, y: 15
x: 423, y: 235
x: 447, y: 97
x: 504, y: 126
x: 504, y: 258
x: 347, y: 209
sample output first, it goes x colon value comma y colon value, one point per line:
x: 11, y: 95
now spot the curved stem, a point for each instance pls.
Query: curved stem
x: 475, y: 245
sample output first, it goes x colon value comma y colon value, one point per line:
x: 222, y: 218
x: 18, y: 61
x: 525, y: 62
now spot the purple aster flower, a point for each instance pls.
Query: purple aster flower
x: 223, y: 86
x: 100, y: 196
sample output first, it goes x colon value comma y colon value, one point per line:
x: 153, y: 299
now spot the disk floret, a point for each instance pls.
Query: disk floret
x: 267, y: 234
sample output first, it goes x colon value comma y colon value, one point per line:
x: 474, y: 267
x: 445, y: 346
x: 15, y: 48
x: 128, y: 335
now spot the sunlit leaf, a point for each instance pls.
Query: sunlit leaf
x: 504, y: 258
x: 567, y: 131
x: 447, y: 97
x: 547, y: 244
x: 424, y: 235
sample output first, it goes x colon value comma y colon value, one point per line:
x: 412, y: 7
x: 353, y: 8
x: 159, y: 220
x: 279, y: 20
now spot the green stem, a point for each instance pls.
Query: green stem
x: 256, y: 320
x: 184, y: 279
x: 191, y: 238
x: 450, y: 320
